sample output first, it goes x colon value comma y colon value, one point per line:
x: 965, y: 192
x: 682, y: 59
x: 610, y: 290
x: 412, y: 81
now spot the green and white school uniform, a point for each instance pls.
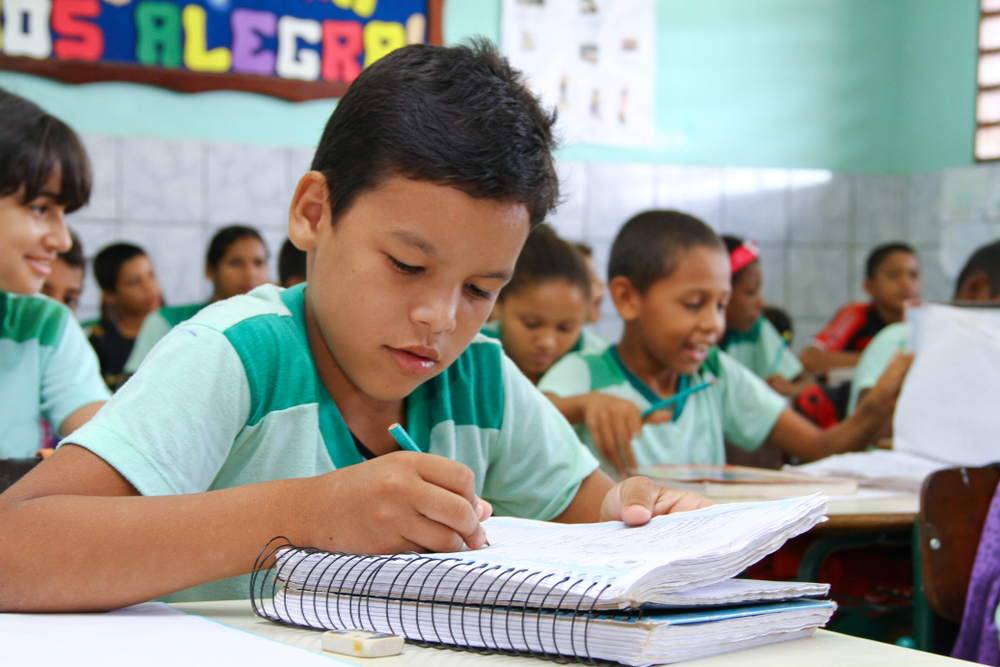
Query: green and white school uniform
x: 47, y: 369
x: 232, y: 397
x: 762, y: 350
x: 876, y: 358
x: 154, y: 328
x: 739, y: 408
x: 587, y: 342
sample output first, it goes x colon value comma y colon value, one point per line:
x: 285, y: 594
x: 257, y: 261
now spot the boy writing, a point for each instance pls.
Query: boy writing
x: 669, y: 277
x: 48, y: 369
x: 267, y: 414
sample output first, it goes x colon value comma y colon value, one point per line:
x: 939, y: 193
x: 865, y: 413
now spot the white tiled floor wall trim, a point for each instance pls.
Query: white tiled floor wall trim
x: 814, y: 227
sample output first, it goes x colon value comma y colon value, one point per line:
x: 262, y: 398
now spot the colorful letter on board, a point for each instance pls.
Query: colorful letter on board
x: 382, y: 38
x: 249, y: 28
x: 342, y: 44
x: 26, y: 25
x: 79, y: 39
x: 293, y: 62
x: 197, y: 57
x: 158, y: 34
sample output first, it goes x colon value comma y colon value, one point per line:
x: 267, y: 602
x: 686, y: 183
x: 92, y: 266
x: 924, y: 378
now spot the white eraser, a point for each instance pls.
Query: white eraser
x: 361, y: 643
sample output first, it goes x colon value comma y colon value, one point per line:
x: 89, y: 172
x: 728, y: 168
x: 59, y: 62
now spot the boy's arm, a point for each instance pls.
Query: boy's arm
x: 795, y: 435
x: 115, y: 548
x: 634, y: 501
x: 817, y: 360
x: 80, y: 417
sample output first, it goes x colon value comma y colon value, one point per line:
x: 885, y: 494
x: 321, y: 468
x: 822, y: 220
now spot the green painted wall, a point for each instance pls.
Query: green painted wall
x: 883, y: 86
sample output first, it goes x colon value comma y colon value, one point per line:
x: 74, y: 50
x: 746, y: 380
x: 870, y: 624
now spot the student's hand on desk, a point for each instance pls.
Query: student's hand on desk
x: 401, y: 501
x: 636, y: 500
x: 612, y: 423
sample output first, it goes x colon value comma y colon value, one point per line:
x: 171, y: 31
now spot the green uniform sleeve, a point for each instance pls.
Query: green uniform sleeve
x: 538, y: 463
x: 570, y: 376
x: 780, y: 359
x: 153, y: 329
x: 875, y: 359
x: 71, y: 376
x: 171, y: 427
x: 750, y: 407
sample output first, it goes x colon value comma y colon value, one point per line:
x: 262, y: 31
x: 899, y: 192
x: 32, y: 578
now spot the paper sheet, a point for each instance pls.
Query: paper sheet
x: 150, y: 635
x: 947, y: 411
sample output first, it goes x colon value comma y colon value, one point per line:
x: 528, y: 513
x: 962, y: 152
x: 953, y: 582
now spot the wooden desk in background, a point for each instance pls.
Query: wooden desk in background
x: 824, y: 649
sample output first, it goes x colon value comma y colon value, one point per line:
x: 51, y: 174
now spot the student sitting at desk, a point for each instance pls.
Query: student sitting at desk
x: 48, y: 370
x: 268, y: 414
x: 540, y: 313
x: 236, y: 263
x: 669, y: 277
x: 978, y: 282
x: 750, y: 337
x: 65, y: 283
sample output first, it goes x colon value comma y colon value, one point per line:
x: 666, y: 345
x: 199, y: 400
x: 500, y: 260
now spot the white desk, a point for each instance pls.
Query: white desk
x: 824, y: 649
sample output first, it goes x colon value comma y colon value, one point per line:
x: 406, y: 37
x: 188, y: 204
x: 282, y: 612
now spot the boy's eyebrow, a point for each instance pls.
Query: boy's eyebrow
x: 47, y: 194
x: 428, y: 248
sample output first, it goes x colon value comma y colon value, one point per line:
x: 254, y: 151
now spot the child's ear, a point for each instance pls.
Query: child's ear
x: 869, y: 285
x: 309, y: 210
x: 627, y: 298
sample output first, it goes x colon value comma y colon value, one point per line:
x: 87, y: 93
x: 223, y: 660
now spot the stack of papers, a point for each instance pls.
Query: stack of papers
x: 560, y: 589
x: 877, y: 469
x: 729, y: 481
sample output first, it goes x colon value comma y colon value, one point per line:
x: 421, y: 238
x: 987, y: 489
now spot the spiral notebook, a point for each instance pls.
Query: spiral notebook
x: 636, y: 596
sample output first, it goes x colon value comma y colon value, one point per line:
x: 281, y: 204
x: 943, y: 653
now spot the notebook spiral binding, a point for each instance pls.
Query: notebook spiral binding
x: 325, y: 608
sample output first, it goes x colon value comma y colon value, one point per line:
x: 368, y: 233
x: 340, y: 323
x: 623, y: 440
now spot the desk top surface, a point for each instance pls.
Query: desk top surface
x: 824, y: 649
x: 868, y: 510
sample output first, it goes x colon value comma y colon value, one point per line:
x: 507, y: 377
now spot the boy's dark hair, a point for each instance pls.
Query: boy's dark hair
x: 781, y: 321
x: 458, y: 116
x: 881, y: 253
x: 33, y: 144
x: 547, y: 257
x: 108, y: 263
x: 649, y: 246
x: 226, y: 237
x: 291, y: 262
x: 74, y: 256
x: 985, y: 260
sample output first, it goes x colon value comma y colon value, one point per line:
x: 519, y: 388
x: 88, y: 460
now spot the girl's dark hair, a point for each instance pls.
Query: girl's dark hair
x: 226, y: 237
x: 108, y: 263
x: 546, y: 257
x: 985, y: 260
x: 33, y: 145
x: 648, y: 247
x: 458, y: 116
x: 291, y: 262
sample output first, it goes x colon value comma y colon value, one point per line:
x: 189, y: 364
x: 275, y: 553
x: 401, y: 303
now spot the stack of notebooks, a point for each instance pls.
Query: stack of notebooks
x: 660, y: 593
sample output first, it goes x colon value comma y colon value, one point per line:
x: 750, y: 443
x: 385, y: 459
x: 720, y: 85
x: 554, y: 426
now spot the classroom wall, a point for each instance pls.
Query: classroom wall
x: 814, y: 227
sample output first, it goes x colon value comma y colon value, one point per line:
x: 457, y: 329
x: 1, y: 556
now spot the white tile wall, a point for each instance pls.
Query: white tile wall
x: 815, y: 228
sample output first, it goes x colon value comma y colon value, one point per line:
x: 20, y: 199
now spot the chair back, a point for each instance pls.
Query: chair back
x: 12, y: 470
x: 953, y: 508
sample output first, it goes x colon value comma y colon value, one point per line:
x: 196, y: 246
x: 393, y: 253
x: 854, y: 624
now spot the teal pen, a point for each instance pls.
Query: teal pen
x: 403, y: 438
x: 667, y: 402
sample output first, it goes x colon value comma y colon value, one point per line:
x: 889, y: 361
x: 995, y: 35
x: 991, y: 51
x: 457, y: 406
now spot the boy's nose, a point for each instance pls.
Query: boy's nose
x: 438, y: 314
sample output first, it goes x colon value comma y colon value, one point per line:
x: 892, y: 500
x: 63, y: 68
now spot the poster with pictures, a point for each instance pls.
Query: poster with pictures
x: 594, y: 60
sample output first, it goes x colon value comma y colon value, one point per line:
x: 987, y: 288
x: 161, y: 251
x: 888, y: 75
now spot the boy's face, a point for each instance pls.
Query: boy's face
x: 242, y: 268
x: 746, y: 305
x: 681, y: 316
x: 405, y: 279
x: 31, y: 235
x: 541, y: 323
x: 896, y: 281
x: 137, y: 291
x: 64, y: 284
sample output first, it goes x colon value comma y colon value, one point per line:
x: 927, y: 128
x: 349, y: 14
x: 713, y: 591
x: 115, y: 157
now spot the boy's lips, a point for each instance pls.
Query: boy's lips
x: 416, y: 359
x: 696, y: 352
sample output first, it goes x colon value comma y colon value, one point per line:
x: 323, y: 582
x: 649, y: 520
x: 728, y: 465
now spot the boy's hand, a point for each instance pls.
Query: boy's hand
x: 637, y: 500
x: 401, y: 501
x: 883, y: 395
x: 613, y: 422
x: 782, y: 385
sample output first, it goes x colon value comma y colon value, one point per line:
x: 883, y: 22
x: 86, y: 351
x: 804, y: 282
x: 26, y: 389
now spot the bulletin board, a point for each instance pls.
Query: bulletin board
x: 292, y: 49
x: 593, y: 60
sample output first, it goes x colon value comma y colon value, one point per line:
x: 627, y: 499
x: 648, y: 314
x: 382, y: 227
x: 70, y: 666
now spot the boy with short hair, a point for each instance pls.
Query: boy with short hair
x: 267, y: 414
x: 669, y: 277
x: 48, y: 370
x: 892, y: 278
x: 65, y: 283
x: 130, y: 292
x: 978, y: 282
